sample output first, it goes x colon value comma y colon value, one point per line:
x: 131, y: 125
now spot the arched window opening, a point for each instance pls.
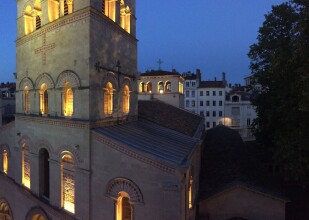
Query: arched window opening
x: 28, y: 19
x: 160, y: 87
x: 68, y: 7
x: 168, y: 86
x: 43, y: 99
x: 108, y: 99
x: 127, y: 26
x: 5, y: 212
x: 38, y: 217
x: 5, y: 162
x: 68, y: 183
x: 149, y: 87
x: 26, y: 166
x: 68, y: 100
x: 235, y: 98
x: 123, y: 207
x: 142, y: 87
x: 53, y: 10
x: 37, y: 22
x: 126, y: 99
x: 26, y: 100
x: 190, y: 194
x: 44, y: 173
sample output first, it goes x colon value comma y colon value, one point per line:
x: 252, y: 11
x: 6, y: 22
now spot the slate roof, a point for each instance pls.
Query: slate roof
x: 160, y: 73
x: 211, y: 84
x: 152, y: 139
x: 227, y: 161
x: 171, y: 117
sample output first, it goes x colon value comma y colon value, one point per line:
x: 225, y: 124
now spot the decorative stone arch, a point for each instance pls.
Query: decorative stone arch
x: 6, y: 148
x: 73, y: 151
x: 26, y: 82
x: 25, y: 140
x: 43, y: 143
x: 109, y: 77
x: 28, y: 3
x: 68, y: 76
x: 44, y: 78
x: 117, y: 185
x: 5, y: 205
x: 36, y: 211
x: 126, y: 82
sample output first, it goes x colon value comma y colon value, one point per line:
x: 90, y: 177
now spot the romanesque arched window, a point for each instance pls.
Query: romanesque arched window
x: 43, y: 99
x: 37, y: 22
x: 123, y: 207
x: 26, y: 100
x: 68, y: 6
x: 126, y: 99
x: 142, y: 87
x: 53, y: 10
x: 168, y: 86
x: 110, y: 9
x: 28, y: 19
x: 44, y: 173
x: 125, y: 16
x: 36, y: 213
x: 160, y: 87
x: 108, y: 99
x: 5, y: 161
x: 25, y: 159
x: 5, y: 211
x: 68, y: 182
x: 67, y: 100
x: 149, y: 87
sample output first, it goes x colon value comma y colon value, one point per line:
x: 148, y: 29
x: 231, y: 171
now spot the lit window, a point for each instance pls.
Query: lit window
x: 180, y: 88
x: 53, y: 10
x: 149, y: 87
x: 68, y: 100
x: 190, y: 192
x: 168, y: 87
x: 26, y: 100
x: 123, y: 207
x: 110, y: 9
x: 5, y: 162
x: 126, y: 99
x: 108, y: 99
x: 28, y: 19
x: 142, y: 87
x: 125, y: 16
x: 43, y: 99
x: 160, y: 87
x: 25, y: 166
x: 68, y: 7
x: 68, y: 183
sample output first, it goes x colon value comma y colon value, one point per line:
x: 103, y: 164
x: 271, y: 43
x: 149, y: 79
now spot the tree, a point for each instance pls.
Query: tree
x: 279, y: 64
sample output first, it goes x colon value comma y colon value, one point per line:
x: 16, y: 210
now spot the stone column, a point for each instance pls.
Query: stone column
x: 82, y: 193
x: 55, y: 190
x: 34, y: 173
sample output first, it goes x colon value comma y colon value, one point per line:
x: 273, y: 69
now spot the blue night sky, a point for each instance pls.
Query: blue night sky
x: 212, y: 35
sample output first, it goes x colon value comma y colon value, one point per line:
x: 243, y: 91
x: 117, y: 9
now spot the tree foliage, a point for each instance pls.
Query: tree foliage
x: 280, y: 68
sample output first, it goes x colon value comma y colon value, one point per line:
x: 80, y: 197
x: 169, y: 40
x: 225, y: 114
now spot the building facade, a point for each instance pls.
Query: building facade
x: 162, y: 85
x: 78, y: 148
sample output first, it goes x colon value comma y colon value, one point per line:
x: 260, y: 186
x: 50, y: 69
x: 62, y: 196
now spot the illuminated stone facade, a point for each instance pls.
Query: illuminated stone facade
x: 76, y: 73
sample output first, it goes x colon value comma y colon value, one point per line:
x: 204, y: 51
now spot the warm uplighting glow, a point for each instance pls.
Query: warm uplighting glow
x: 38, y: 217
x: 123, y: 207
x: 26, y: 100
x: 68, y: 100
x: 5, y: 162
x: 142, y: 87
x: 68, y: 183
x: 160, y: 87
x: 168, y: 86
x: 126, y: 99
x: 110, y: 9
x: 227, y: 121
x: 43, y: 99
x: 149, y: 87
x: 53, y: 10
x: 25, y: 166
x: 108, y: 99
x: 190, y: 192
x: 28, y: 19
x: 180, y: 88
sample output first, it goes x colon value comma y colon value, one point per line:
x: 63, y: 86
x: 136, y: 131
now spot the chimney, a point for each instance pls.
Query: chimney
x: 198, y: 74
x: 174, y: 70
x: 215, y: 78
x: 223, y: 77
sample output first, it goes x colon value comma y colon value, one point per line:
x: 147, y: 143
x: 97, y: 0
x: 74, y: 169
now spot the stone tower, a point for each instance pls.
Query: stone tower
x: 76, y: 70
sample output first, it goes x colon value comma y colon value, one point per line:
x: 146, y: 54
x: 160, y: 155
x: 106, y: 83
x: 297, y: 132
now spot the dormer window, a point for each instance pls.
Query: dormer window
x: 235, y: 98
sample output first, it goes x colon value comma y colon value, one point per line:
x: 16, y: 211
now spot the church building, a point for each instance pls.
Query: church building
x: 82, y: 146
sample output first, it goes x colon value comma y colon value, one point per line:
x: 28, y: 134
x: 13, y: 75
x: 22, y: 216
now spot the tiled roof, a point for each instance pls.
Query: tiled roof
x: 212, y: 84
x: 160, y: 73
x: 171, y: 117
x: 152, y: 139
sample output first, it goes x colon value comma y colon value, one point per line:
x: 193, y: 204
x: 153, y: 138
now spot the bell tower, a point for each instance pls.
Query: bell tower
x: 77, y: 59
